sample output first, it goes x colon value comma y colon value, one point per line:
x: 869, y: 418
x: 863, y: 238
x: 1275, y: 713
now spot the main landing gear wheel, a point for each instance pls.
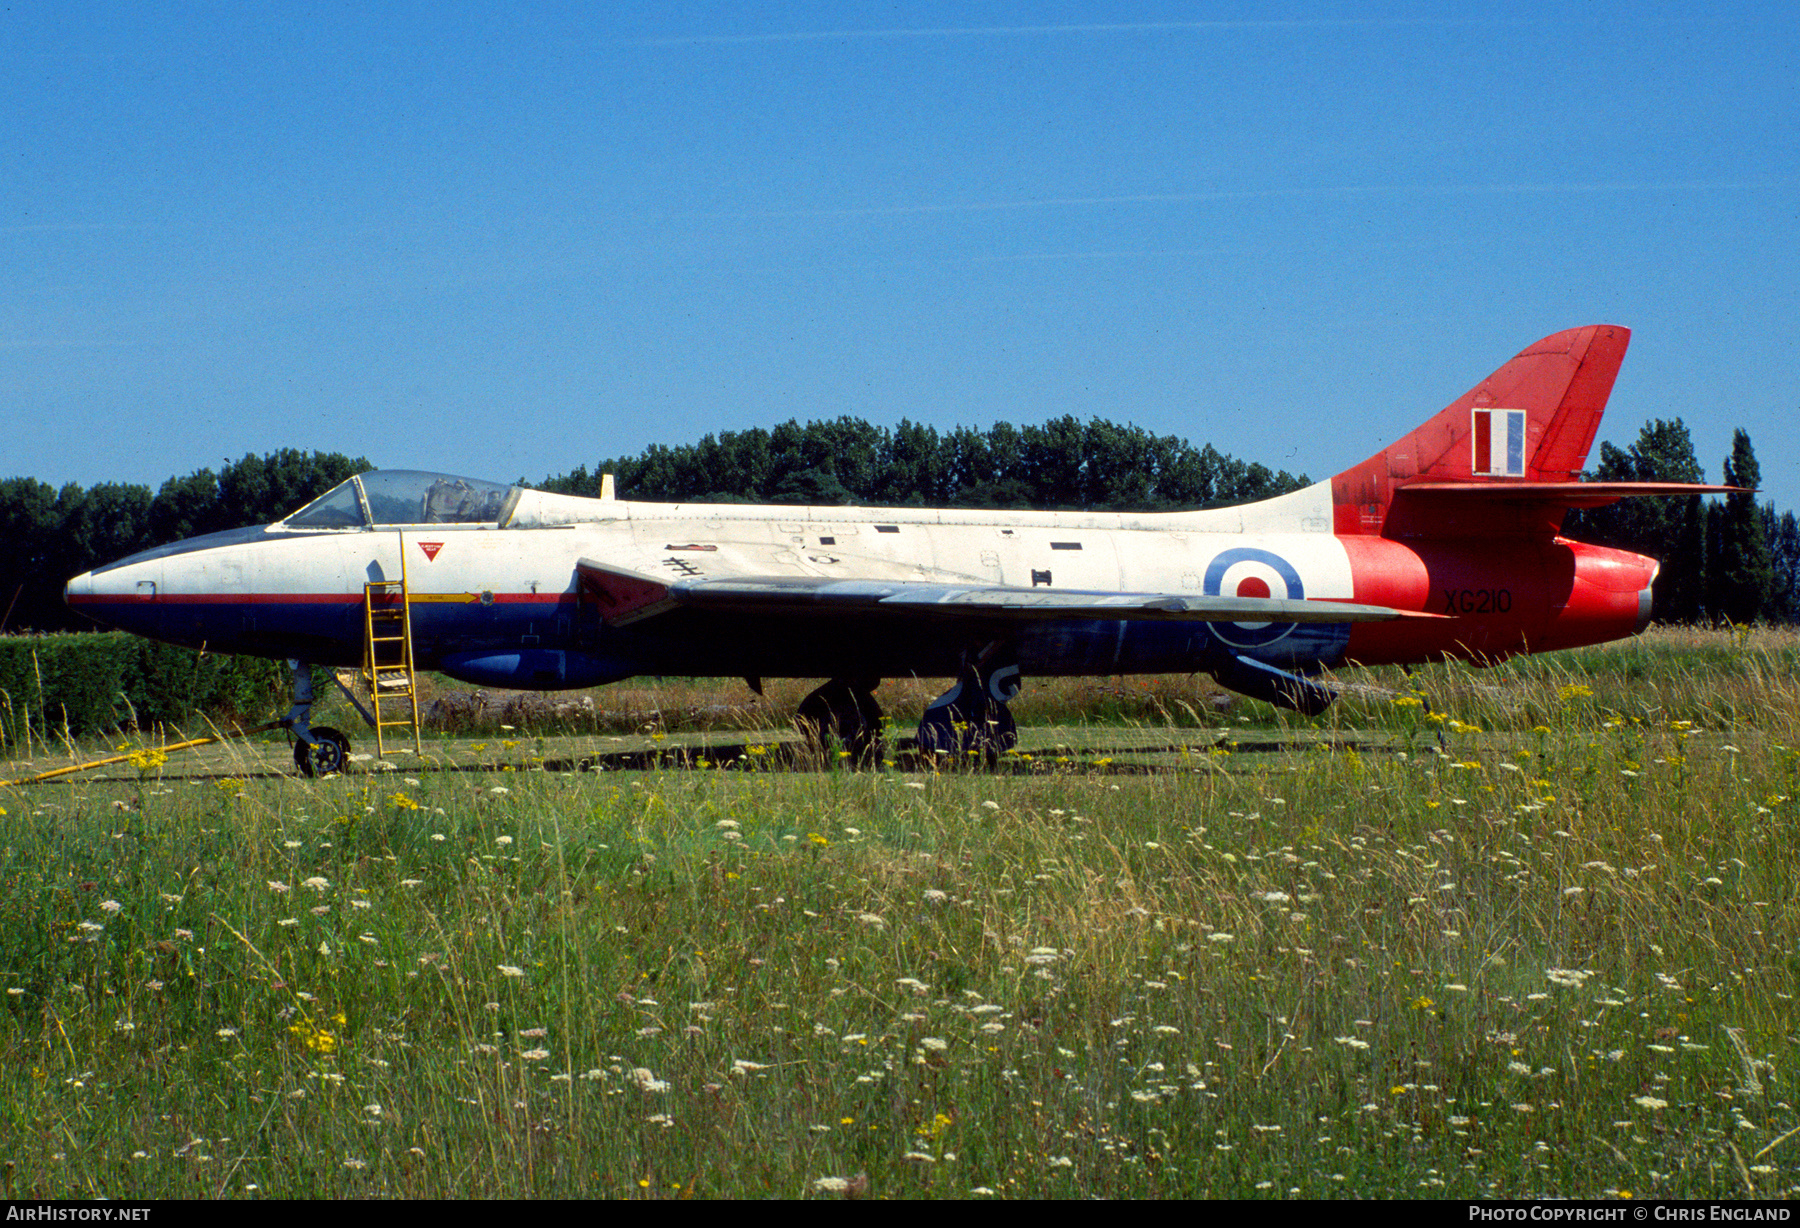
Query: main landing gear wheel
x: 973, y: 717
x: 844, y: 709
x: 326, y: 755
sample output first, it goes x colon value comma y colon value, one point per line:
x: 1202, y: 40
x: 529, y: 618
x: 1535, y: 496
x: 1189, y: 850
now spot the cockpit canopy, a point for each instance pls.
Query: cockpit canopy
x: 401, y: 497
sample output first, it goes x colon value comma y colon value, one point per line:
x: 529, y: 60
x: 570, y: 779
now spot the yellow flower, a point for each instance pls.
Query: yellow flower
x: 936, y: 1126
x: 314, y: 1037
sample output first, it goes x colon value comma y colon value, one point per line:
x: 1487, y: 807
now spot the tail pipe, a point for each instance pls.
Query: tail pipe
x: 1646, y: 600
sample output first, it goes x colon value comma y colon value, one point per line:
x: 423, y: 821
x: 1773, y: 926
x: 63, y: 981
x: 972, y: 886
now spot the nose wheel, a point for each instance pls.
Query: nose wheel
x: 325, y: 756
x: 317, y: 752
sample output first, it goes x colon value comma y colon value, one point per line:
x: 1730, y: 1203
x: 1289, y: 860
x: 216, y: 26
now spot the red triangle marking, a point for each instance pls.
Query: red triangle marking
x: 431, y: 550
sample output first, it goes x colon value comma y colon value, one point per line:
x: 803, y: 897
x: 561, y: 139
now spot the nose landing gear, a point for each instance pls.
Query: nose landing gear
x: 317, y: 752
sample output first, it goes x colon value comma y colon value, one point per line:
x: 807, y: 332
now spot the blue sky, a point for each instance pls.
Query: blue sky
x: 505, y: 240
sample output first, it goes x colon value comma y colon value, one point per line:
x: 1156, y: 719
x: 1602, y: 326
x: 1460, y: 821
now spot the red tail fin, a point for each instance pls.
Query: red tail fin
x: 1533, y: 420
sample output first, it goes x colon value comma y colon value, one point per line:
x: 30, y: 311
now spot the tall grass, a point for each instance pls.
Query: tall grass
x: 1556, y: 956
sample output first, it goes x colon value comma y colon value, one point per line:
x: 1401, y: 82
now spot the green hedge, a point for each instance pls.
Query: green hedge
x: 90, y: 683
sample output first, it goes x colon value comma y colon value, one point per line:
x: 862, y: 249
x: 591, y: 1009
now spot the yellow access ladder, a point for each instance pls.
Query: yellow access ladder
x: 388, y: 656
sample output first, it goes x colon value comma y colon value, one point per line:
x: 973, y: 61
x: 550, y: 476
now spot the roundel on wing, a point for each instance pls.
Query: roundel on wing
x: 1245, y: 571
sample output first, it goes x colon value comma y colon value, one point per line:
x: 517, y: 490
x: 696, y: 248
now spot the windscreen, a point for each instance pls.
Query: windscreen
x: 403, y: 496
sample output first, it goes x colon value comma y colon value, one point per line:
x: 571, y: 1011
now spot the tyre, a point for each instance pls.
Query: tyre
x: 326, y: 756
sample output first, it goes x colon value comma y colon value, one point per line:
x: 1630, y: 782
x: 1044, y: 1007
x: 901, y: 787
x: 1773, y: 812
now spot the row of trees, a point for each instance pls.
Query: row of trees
x: 1722, y: 560
x: 52, y: 534
x: 1063, y: 464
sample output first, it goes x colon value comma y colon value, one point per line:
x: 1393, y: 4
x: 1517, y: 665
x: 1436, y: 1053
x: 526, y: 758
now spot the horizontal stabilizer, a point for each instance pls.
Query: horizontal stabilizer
x: 1561, y: 494
x: 627, y: 596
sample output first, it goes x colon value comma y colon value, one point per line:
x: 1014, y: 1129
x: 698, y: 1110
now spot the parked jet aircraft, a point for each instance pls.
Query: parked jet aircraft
x: 1444, y: 545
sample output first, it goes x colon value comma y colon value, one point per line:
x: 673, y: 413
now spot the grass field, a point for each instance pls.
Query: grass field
x: 1173, y: 949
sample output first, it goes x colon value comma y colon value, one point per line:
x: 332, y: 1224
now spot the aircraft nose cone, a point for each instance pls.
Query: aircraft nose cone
x: 80, y: 595
x: 118, y: 596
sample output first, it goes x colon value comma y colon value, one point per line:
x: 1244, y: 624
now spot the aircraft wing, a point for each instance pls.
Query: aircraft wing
x: 628, y: 596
